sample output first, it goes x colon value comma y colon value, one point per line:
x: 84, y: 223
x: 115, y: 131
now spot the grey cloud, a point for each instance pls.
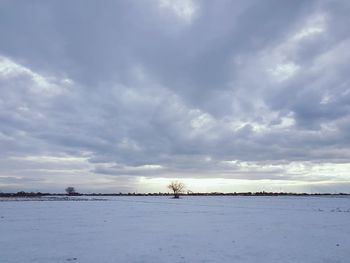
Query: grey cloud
x: 131, y: 85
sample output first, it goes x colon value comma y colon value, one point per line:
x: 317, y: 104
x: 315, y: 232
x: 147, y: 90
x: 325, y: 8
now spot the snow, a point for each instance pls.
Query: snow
x: 191, y: 229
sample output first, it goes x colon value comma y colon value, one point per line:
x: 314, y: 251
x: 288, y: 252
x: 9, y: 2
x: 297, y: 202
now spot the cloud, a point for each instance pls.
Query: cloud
x: 184, y: 10
x: 122, y: 91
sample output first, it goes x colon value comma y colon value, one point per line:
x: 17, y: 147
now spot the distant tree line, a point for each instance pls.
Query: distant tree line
x: 39, y: 194
x: 177, y: 188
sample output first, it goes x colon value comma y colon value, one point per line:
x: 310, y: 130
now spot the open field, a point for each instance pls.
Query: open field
x: 191, y: 229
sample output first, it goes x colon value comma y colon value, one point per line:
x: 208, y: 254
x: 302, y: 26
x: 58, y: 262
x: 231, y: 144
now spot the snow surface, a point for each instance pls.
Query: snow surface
x: 191, y: 229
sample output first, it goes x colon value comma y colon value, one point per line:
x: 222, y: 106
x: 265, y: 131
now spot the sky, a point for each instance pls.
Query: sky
x: 126, y: 96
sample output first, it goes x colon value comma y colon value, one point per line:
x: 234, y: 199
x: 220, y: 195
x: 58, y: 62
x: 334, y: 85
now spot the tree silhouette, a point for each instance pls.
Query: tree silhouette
x: 177, y: 187
x: 70, y: 190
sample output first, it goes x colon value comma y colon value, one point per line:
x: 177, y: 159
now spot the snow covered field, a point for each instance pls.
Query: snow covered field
x: 192, y: 229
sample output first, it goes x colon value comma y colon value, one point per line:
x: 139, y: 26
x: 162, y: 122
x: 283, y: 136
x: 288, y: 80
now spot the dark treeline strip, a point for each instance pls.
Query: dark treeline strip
x: 39, y: 194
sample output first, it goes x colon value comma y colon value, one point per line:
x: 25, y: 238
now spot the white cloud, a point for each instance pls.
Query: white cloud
x: 282, y: 72
x: 129, y: 145
x: 279, y: 59
x: 37, y: 83
x: 184, y: 10
x: 313, y: 26
x: 51, y: 159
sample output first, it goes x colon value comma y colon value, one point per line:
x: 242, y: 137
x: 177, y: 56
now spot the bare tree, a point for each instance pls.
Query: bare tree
x: 177, y: 187
x: 70, y: 190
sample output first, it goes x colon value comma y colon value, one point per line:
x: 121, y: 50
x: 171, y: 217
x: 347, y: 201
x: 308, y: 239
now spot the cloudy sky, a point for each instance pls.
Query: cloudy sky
x: 112, y: 96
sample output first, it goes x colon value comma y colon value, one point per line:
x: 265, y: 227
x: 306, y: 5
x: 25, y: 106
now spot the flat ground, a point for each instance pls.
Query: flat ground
x: 192, y: 229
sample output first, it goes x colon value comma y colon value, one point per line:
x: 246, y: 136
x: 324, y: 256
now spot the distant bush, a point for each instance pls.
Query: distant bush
x: 177, y: 188
x: 71, y: 191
